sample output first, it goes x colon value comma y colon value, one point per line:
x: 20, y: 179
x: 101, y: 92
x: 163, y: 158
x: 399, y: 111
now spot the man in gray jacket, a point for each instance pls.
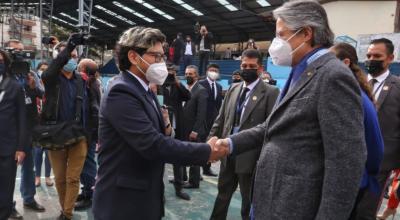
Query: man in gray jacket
x: 313, y: 145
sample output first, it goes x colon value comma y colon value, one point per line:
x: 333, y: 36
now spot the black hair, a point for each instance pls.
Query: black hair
x: 7, y: 60
x: 251, y: 53
x: 122, y: 56
x: 212, y: 65
x: 388, y: 44
x: 41, y: 64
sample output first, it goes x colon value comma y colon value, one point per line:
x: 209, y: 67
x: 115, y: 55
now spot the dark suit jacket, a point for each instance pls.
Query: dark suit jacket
x: 259, y: 106
x: 174, y: 98
x: 194, y: 112
x: 208, y: 41
x: 213, y: 105
x: 133, y: 150
x: 12, y: 118
x: 388, y: 106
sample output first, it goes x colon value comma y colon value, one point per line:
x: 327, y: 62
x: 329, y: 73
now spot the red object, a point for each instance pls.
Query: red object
x: 171, y: 54
x: 393, y: 202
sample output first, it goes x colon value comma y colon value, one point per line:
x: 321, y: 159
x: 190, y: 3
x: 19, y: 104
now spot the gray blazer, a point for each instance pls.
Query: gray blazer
x: 388, y: 105
x: 258, y: 108
x: 313, y: 147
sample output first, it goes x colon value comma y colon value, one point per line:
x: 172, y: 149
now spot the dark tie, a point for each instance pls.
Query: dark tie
x: 153, y: 98
x: 240, y: 106
x: 372, y: 83
x: 213, y: 90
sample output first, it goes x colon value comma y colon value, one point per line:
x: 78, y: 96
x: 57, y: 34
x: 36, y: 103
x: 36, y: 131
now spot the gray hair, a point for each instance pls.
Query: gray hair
x: 193, y: 67
x: 307, y: 13
x: 141, y: 37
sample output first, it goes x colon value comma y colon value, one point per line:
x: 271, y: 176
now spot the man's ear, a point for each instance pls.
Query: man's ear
x: 308, y: 33
x: 347, y: 61
x: 132, y: 56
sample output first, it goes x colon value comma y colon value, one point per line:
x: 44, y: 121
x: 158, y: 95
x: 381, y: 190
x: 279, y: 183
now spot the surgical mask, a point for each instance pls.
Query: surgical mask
x: 281, y: 52
x: 374, y: 67
x: 189, y: 80
x: 213, y: 75
x: 2, y: 69
x: 70, y: 66
x: 249, y: 75
x: 156, y: 73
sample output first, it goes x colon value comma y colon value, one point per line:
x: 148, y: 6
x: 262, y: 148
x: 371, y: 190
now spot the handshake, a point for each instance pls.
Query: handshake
x: 219, y: 149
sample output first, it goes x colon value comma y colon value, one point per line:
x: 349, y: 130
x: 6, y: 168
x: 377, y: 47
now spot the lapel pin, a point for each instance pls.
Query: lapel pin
x: 254, y: 98
x: 386, y: 88
x: 309, y: 73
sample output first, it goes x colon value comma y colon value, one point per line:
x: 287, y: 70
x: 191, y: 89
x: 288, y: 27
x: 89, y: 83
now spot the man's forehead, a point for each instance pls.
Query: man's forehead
x: 249, y: 60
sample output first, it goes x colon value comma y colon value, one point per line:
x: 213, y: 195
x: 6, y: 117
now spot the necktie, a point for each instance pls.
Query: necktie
x: 153, y: 99
x: 240, y: 107
x: 372, y: 83
x: 213, y: 90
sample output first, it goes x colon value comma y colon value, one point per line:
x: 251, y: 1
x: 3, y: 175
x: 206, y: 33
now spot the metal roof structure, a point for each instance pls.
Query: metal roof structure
x: 229, y: 20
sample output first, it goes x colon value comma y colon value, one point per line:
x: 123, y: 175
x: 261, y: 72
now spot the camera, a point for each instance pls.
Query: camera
x: 48, y: 40
x: 272, y: 82
x: 19, y: 65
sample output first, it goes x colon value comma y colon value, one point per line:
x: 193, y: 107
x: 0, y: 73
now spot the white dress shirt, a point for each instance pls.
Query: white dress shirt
x: 215, y: 87
x: 376, y: 91
x: 188, y: 50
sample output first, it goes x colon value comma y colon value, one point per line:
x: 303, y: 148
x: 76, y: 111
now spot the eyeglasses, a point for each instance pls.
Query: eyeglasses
x: 158, y: 57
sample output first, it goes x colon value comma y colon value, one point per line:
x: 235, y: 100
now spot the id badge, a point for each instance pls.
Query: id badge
x: 28, y: 101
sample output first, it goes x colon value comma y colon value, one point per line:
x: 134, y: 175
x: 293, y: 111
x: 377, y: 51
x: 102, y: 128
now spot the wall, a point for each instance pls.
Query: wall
x: 361, y: 17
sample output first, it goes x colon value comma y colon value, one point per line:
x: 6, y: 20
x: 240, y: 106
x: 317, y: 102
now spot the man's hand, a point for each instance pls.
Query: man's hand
x: 19, y: 157
x: 219, y: 148
x: 193, y: 136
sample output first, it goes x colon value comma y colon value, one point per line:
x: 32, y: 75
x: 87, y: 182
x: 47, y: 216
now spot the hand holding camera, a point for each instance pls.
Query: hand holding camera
x: 78, y: 39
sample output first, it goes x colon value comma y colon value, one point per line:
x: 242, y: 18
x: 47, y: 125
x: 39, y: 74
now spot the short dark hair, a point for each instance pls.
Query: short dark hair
x: 212, y: 65
x: 41, y: 64
x: 388, y: 44
x: 251, y: 53
x: 236, y: 72
x: 122, y: 56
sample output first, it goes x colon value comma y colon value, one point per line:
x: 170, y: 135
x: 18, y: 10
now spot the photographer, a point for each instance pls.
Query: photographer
x: 204, y: 43
x: 88, y: 69
x: 64, y: 116
x: 32, y: 90
x: 13, y: 134
x: 175, y: 93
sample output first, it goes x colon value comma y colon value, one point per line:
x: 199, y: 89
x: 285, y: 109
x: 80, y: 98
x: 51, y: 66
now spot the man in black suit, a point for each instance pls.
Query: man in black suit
x: 189, y: 52
x: 179, y: 47
x: 132, y: 134
x: 13, y: 134
x: 246, y: 105
x: 175, y: 93
x: 204, y: 43
x: 214, y: 102
x: 386, y: 89
x: 194, y: 112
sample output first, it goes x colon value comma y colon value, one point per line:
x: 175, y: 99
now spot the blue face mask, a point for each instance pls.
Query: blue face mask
x: 70, y: 66
x: 2, y: 69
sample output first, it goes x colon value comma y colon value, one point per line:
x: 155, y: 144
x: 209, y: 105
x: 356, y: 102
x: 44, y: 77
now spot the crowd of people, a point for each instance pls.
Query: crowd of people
x: 325, y: 147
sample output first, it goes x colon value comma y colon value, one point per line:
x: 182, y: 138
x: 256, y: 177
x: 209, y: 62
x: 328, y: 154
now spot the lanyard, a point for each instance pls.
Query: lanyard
x: 239, y: 108
x: 378, y: 88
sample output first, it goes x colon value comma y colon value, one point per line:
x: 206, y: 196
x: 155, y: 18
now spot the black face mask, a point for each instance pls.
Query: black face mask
x: 189, y: 80
x: 170, y: 79
x: 374, y: 67
x: 249, y: 75
x: 236, y: 80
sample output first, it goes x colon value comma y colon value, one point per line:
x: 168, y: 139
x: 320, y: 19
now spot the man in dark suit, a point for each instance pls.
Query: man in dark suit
x: 13, y: 136
x: 189, y: 52
x: 175, y: 93
x: 386, y: 89
x: 251, y: 110
x: 133, y: 144
x: 214, y: 102
x: 179, y: 47
x: 194, y: 112
x: 204, y: 43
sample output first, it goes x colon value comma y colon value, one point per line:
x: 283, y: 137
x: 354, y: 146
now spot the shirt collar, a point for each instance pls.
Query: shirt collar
x: 1, y: 78
x: 380, y: 78
x: 143, y: 83
x: 210, y: 81
x: 252, y: 85
x: 302, y: 65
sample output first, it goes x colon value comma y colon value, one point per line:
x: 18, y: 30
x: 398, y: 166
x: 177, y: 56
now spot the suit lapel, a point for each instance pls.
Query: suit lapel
x: 233, y: 101
x: 254, y: 98
x: 385, y: 90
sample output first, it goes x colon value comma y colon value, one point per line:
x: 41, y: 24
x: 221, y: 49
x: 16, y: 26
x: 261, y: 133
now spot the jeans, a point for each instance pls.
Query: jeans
x: 67, y: 167
x: 28, y: 188
x: 38, y: 153
x: 88, y: 175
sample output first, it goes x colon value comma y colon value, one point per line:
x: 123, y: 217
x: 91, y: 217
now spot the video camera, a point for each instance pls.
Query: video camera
x: 19, y: 65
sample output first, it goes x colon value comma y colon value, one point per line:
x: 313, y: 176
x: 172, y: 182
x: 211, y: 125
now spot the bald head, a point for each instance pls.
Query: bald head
x: 16, y: 44
x: 87, y: 65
